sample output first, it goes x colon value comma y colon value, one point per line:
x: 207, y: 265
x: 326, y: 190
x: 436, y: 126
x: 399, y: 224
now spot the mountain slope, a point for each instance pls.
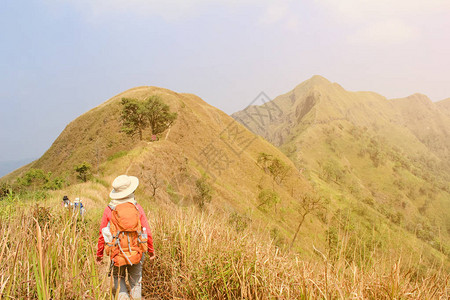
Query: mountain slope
x: 444, y: 106
x: 318, y: 101
x: 427, y: 122
x: 350, y: 167
x: 367, y: 152
x: 203, y: 140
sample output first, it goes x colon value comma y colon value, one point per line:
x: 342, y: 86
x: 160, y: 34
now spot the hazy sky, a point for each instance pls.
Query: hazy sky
x: 60, y: 58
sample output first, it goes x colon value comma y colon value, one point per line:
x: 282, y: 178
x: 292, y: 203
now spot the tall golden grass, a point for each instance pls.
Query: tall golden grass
x: 200, y: 256
x: 46, y: 253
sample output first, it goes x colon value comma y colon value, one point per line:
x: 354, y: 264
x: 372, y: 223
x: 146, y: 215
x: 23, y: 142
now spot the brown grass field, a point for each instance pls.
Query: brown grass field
x: 46, y: 253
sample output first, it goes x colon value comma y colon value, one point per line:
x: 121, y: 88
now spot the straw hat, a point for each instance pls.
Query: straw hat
x: 123, y: 186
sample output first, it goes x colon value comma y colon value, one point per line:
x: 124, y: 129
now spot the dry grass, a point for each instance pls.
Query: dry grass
x: 48, y: 254
x: 201, y: 257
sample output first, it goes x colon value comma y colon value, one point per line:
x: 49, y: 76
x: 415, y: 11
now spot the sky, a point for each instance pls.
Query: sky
x: 61, y: 58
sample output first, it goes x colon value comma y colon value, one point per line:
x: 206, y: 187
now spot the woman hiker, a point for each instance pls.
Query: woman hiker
x: 125, y: 231
x: 66, y: 202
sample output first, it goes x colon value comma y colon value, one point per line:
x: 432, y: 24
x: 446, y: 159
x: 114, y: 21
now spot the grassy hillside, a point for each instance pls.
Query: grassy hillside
x: 363, y: 240
x: 444, y: 106
x: 203, y: 141
x: 429, y: 123
x: 385, y: 162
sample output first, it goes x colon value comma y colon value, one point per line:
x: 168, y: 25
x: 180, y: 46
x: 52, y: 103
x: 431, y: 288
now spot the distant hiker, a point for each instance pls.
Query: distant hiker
x: 125, y: 231
x: 78, y: 207
x: 66, y: 202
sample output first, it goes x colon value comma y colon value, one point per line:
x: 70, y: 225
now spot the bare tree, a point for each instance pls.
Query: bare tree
x: 150, y: 176
x: 308, y: 204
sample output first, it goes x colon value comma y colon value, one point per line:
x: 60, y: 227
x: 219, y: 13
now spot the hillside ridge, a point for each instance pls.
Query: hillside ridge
x: 377, y: 175
x: 391, y: 156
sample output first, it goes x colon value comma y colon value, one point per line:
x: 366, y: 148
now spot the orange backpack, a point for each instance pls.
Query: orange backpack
x: 129, y: 242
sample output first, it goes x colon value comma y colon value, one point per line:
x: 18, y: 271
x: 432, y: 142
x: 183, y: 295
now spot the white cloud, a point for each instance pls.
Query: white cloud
x: 384, y: 32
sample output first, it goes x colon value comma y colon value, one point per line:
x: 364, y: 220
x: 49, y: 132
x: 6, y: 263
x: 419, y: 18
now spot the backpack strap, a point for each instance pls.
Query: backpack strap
x: 126, y: 256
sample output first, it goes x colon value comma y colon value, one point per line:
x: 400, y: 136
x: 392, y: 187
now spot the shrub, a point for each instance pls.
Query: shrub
x: 369, y: 201
x: 5, y: 190
x: 264, y: 160
x: 274, y: 166
x: 239, y: 222
x: 332, y: 171
x: 83, y: 171
x: 56, y: 183
x: 33, y: 177
x: 204, y: 192
x: 38, y: 179
x: 277, y: 237
x: 267, y: 198
x: 279, y: 170
x: 173, y: 195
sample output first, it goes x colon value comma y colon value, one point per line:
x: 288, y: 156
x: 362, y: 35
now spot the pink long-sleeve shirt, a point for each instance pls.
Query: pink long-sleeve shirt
x: 107, y: 218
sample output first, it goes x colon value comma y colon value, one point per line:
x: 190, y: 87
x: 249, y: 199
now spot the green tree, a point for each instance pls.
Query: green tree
x: 56, y: 183
x: 332, y: 171
x: 279, y: 170
x: 267, y: 198
x: 134, y: 117
x: 35, y: 178
x: 158, y: 114
x: 84, y: 171
x: 274, y: 166
x: 152, y: 112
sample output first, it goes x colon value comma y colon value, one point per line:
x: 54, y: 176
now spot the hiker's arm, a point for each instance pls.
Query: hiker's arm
x: 101, y: 241
x: 144, y: 223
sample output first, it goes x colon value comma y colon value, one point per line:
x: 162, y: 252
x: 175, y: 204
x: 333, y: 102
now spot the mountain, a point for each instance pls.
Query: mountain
x: 414, y: 124
x: 203, y: 140
x: 444, y: 106
x: 346, y: 186
x: 374, y: 154
x: 427, y: 122
x: 318, y: 101
x: 357, y: 150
